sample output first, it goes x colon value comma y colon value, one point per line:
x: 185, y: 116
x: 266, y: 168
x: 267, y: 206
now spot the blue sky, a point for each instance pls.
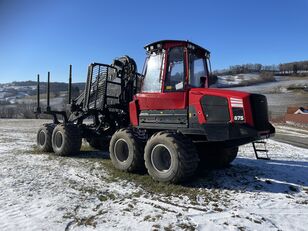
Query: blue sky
x: 40, y: 36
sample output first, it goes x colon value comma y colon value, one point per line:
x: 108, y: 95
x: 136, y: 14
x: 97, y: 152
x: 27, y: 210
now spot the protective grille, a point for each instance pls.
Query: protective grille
x: 215, y: 109
x: 105, y: 87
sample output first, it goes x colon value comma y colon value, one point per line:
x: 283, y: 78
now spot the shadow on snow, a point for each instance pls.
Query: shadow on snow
x: 274, y: 176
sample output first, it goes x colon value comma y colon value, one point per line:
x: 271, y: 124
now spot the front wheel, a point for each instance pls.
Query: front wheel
x: 170, y: 157
x: 215, y: 157
x: 226, y: 156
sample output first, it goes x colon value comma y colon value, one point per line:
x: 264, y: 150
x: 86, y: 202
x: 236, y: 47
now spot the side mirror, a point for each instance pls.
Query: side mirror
x: 213, y: 79
x: 204, y: 81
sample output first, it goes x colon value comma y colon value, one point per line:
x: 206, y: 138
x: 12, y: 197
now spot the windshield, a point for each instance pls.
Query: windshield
x: 197, y: 69
x: 152, y: 79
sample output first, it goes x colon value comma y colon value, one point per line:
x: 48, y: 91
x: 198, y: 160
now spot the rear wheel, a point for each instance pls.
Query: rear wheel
x: 170, y: 157
x: 66, y: 139
x: 43, y: 138
x: 126, y: 152
x: 215, y: 157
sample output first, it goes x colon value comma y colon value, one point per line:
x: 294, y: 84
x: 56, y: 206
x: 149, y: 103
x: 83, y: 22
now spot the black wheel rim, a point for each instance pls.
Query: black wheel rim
x: 121, y: 150
x: 41, y: 138
x: 58, y: 139
x: 161, y: 158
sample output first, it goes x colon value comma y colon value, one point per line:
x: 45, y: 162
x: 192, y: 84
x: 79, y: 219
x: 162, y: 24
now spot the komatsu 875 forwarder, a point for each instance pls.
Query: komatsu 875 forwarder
x: 167, y: 119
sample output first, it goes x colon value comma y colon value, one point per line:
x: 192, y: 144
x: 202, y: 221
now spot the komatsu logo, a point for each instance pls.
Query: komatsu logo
x: 236, y: 102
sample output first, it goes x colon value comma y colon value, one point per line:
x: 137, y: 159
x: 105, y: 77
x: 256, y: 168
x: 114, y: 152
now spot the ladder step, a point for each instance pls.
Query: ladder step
x: 261, y: 150
x: 263, y: 158
x: 259, y: 142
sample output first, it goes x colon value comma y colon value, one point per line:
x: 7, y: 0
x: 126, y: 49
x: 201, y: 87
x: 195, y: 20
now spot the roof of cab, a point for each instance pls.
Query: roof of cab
x: 160, y: 44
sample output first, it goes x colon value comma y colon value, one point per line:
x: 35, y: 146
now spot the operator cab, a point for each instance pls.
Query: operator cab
x: 174, y: 65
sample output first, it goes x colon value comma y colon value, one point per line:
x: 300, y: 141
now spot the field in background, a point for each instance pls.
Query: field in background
x: 283, y: 92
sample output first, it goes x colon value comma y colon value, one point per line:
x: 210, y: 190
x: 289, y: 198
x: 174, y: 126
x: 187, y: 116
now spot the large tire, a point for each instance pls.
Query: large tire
x: 66, y: 139
x: 215, y: 157
x: 226, y: 156
x: 99, y: 143
x: 126, y: 152
x: 170, y: 157
x: 43, y: 137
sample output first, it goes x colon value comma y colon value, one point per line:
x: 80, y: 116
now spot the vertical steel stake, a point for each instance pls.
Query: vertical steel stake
x: 70, y: 86
x: 48, y: 92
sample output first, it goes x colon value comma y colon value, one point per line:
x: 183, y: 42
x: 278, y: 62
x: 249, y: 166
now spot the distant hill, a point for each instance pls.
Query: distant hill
x: 54, y: 86
x: 299, y: 68
x: 9, y: 92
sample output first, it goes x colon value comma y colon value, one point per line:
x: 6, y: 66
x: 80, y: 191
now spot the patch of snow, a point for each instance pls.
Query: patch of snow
x: 235, y: 80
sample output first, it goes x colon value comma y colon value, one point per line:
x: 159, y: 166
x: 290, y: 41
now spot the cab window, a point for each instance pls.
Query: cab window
x: 152, y: 79
x: 175, y: 70
x: 197, y: 70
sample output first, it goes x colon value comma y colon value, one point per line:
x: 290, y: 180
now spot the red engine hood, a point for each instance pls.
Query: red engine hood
x: 219, y: 92
x: 235, y: 99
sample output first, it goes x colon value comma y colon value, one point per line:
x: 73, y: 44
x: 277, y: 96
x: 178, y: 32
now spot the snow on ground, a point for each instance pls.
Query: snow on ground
x: 279, y: 86
x: 237, y: 80
x: 45, y: 192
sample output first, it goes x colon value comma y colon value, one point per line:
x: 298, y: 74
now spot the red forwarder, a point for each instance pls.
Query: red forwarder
x: 167, y: 119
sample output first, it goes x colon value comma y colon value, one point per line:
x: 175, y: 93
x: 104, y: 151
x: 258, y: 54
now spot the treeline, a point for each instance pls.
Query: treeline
x: 296, y: 68
x: 293, y: 68
x: 23, y: 110
x: 58, y: 87
x: 55, y: 87
x: 247, y: 68
x: 24, y: 83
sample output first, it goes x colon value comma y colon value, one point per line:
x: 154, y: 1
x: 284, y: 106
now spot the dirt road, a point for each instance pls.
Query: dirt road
x: 291, y: 135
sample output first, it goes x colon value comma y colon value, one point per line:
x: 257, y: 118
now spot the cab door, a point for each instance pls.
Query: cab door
x: 164, y: 81
x: 162, y: 102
